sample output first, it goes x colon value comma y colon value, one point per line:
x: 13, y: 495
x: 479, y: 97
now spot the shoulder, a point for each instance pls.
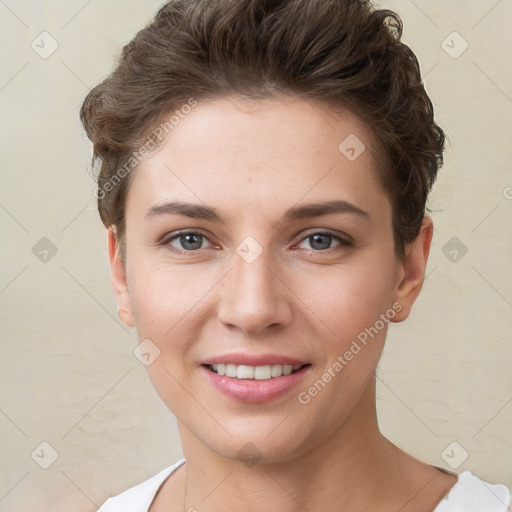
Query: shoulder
x: 472, y: 494
x: 139, y: 497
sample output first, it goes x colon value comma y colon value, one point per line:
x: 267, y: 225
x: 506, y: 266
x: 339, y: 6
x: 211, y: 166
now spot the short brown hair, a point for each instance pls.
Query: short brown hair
x: 344, y: 53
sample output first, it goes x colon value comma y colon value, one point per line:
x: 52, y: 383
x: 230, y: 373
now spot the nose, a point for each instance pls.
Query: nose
x: 254, y: 296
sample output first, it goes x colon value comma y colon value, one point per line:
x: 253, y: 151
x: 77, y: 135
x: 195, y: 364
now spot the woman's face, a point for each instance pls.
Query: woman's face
x: 275, y: 281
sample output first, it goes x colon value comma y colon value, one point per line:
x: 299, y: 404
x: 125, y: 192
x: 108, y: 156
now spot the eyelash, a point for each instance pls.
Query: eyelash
x: 344, y: 241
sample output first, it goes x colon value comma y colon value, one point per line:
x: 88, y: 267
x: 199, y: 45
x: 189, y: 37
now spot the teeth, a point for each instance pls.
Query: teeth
x: 243, y: 371
x: 263, y: 372
x: 287, y: 369
x: 231, y: 370
x: 276, y: 370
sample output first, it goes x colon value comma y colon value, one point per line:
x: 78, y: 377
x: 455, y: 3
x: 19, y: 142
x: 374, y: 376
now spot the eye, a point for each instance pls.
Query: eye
x: 321, y: 241
x: 192, y: 241
x: 189, y: 241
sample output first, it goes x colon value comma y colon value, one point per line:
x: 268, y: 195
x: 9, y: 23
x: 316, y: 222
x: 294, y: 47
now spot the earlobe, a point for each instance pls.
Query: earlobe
x: 412, y: 269
x: 118, y: 278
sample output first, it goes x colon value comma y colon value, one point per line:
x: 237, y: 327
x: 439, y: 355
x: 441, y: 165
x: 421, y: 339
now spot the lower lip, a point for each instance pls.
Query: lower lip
x: 255, y: 391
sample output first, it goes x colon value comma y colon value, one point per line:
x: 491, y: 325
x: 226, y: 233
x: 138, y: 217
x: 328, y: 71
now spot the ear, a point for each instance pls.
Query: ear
x: 411, y: 270
x: 118, y: 278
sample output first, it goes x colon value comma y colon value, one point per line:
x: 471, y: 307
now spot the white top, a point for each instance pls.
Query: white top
x: 469, y: 494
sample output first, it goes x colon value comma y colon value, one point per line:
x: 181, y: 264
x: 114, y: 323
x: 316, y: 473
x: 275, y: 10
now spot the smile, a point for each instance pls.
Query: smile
x: 254, y: 384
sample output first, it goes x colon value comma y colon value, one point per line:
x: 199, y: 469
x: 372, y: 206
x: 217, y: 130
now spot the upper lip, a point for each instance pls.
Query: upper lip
x: 253, y: 360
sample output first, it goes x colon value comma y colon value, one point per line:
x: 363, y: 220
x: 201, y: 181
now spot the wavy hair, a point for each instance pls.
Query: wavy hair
x: 343, y: 53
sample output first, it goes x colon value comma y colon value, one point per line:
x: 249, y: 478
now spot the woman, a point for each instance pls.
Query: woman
x: 264, y: 168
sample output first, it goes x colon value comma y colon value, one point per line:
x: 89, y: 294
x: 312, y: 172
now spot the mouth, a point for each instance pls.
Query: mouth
x: 246, y: 372
x: 258, y: 384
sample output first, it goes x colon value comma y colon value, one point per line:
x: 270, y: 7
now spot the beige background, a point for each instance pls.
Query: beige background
x: 69, y: 377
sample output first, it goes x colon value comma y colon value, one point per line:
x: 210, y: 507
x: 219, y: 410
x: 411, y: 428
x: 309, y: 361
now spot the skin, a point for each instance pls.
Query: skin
x: 251, y: 161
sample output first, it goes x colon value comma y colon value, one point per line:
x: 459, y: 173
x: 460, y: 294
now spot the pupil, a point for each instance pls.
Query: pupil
x: 322, y: 246
x: 186, y: 238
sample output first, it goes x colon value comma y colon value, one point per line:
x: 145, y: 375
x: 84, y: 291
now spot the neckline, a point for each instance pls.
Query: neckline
x: 447, y: 471
x: 460, y: 476
x: 170, y: 471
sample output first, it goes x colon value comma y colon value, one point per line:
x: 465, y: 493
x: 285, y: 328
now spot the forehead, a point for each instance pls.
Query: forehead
x: 261, y: 154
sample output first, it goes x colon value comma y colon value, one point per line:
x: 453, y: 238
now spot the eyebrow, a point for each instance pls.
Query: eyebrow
x: 304, y: 211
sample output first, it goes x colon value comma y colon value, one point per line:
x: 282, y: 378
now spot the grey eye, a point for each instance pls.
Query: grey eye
x: 320, y: 241
x: 188, y: 241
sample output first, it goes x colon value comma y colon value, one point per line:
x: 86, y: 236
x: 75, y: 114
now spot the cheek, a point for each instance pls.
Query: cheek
x: 162, y: 296
x: 164, y: 302
x: 350, y: 298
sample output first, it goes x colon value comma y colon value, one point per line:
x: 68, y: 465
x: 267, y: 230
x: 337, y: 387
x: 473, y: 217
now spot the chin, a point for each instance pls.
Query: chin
x: 257, y: 445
